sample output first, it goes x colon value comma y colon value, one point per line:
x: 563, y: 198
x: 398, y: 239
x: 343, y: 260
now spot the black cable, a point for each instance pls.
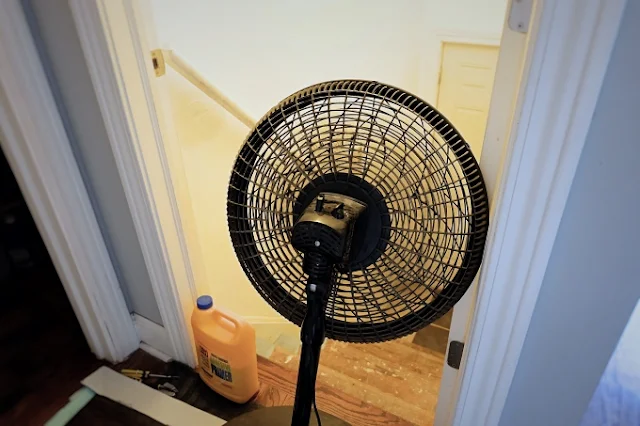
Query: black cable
x: 315, y: 407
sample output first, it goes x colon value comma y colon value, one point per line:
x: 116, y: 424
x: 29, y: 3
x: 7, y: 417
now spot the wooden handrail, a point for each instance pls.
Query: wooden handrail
x: 162, y: 58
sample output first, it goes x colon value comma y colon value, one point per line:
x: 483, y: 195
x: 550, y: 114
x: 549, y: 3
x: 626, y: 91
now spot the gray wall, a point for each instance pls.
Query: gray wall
x: 54, y: 32
x: 592, y: 281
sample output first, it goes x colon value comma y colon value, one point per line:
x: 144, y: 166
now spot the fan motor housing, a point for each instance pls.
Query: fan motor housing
x: 372, y: 228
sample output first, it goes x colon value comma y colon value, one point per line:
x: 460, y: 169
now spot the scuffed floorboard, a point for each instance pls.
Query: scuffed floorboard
x: 397, y: 377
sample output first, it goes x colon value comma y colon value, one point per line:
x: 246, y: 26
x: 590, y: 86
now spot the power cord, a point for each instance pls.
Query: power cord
x: 315, y: 407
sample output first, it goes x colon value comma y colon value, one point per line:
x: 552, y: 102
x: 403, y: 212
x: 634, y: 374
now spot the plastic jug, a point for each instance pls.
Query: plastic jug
x: 226, y: 347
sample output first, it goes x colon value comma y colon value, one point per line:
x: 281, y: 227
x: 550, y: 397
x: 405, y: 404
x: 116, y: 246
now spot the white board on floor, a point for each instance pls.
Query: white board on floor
x: 146, y: 400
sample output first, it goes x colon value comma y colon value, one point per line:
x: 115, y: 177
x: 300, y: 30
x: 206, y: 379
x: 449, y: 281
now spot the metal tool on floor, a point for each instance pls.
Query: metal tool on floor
x: 168, y: 389
x: 140, y: 375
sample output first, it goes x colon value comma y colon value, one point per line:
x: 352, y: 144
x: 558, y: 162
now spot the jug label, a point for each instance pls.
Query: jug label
x: 203, y: 359
x: 221, y: 368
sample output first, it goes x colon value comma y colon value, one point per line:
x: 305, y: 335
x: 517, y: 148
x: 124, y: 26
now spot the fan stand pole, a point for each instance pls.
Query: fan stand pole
x: 312, y: 337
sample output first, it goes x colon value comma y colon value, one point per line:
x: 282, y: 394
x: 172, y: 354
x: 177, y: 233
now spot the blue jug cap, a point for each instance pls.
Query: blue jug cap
x: 204, y: 302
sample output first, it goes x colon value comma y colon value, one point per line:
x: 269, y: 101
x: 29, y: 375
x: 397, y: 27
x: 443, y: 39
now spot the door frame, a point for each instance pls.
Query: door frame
x: 533, y: 152
x: 36, y: 145
x: 566, y: 55
x: 122, y: 75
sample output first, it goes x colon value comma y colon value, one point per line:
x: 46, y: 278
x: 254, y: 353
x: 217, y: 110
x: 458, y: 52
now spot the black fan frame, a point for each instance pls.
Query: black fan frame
x: 293, y: 309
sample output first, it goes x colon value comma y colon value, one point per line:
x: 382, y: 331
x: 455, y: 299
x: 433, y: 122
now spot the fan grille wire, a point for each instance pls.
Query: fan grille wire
x: 430, y: 182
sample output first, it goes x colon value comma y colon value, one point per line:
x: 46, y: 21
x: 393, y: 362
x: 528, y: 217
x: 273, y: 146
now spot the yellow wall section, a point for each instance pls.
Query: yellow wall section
x: 209, y: 139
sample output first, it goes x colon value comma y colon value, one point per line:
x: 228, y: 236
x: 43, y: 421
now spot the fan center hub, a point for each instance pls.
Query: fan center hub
x: 372, y: 228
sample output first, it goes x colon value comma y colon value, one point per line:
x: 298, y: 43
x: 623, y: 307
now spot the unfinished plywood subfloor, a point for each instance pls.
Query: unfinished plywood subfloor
x: 398, y: 377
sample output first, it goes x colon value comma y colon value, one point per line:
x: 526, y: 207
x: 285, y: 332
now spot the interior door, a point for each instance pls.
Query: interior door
x: 464, y: 94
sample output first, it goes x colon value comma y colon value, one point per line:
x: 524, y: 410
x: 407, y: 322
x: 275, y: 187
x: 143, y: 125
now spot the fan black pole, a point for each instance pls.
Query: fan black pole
x: 312, y: 337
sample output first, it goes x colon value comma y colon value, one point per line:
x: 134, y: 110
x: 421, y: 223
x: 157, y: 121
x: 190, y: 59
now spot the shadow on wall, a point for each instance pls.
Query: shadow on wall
x: 616, y: 401
x: 209, y: 139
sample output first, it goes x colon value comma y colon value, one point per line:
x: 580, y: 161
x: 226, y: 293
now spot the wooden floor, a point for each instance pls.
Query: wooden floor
x: 277, y: 388
x: 397, y: 377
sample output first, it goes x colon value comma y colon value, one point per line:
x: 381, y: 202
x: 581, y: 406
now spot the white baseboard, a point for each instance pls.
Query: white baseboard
x: 154, y: 338
x: 154, y: 352
x: 146, y: 400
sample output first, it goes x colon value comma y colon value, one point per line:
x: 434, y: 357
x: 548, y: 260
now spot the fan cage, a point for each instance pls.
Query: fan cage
x: 434, y: 197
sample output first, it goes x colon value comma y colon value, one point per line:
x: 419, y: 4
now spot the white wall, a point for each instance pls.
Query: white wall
x: 258, y: 53
x: 591, y: 285
x: 209, y: 139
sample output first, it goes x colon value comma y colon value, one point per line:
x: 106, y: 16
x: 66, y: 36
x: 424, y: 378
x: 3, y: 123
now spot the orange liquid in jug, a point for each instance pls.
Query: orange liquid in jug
x: 226, y: 349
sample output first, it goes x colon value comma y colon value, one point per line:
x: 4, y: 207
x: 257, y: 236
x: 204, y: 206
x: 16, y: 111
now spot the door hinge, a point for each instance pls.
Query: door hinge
x: 454, y: 357
x: 520, y: 15
x: 158, y: 62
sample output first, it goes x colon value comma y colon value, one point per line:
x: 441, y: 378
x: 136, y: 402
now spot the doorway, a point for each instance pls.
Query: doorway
x: 401, y: 378
x: 483, y: 353
x: 466, y: 79
x: 44, y: 352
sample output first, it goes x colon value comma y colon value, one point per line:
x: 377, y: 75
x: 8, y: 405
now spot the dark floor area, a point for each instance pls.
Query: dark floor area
x: 44, y: 354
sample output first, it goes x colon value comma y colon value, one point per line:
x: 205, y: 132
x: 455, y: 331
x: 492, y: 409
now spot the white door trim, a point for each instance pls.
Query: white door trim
x: 569, y: 47
x: 467, y: 37
x: 120, y: 68
x: 153, y: 337
x: 35, y: 143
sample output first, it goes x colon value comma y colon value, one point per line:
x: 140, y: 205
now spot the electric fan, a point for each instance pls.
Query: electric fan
x: 358, y: 212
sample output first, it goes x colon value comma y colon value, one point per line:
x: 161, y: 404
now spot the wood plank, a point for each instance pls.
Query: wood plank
x: 148, y: 401
x: 365, y: 392
x: 411, y: 413
x: 271, y: 393
x: 413, y: 357
x: 392, y: 377
x: 328, y: 399
x: 366, y: 372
